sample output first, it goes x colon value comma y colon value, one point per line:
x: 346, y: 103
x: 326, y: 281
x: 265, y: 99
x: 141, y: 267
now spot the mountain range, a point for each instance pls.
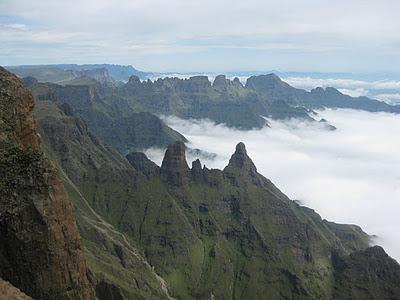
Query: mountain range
x: 64, y: 73
x: 83, y: 214
x: 222, y: 101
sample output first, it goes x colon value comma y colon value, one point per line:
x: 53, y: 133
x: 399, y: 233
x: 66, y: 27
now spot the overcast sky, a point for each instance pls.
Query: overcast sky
x: 207, y: 35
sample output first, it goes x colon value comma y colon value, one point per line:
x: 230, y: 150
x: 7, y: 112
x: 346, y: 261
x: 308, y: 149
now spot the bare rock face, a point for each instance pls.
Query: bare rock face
x: 10, y: 292
x: 41, y: 251
x: 17, y: 121
x: 174, y: 167
x: 221, y: 83
x: 241, y: 162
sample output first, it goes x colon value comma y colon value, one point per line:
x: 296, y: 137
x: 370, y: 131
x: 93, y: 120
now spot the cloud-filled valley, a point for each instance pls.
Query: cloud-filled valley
x: 351, y: 175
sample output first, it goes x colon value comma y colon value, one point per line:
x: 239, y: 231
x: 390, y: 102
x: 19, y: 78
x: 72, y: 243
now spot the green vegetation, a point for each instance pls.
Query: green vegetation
x: 230, y: 234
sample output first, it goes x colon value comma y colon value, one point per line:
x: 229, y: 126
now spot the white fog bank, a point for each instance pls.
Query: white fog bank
x: 351, y: 175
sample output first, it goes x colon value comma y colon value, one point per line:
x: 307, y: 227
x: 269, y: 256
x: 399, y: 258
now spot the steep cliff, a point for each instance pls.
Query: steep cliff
x: 41, y: 252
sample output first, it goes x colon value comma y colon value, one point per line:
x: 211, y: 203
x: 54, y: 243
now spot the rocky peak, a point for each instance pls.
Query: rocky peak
x: 330, y: 91
x: 174, y: 167
x: 134, y: 81
x: 240, y: 161
x: 264, y: 82
x: 236, y: 82
x: 196, y: 84
x: 197, y: 172
x: 318, y: 90
x: 221, y: 83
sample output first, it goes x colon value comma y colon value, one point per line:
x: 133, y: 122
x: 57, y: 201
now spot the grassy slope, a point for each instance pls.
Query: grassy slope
x: 231, y: 233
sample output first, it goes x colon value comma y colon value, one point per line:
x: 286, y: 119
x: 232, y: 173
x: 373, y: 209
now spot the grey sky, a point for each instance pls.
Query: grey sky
x: 208, y: 35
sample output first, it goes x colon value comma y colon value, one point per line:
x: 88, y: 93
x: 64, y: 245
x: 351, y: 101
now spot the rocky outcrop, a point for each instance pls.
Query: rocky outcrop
x: 263, y: 83
x: 41, y: 252
x: 174, y: 167
x: 10, y: 292
x: 240, y: 162
x: 221, y: 83
x: 196, y: 84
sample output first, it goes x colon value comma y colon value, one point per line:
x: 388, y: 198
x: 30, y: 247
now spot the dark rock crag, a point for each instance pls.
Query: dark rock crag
x: 174, y: 167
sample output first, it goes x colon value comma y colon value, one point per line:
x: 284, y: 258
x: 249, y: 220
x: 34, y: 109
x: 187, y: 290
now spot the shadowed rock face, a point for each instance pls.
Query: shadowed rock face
x: 40, y: 248
x: 174, y: 167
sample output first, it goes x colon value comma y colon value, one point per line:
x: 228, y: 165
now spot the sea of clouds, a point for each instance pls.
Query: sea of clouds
x: 387, y: 90
x: 351, y: 175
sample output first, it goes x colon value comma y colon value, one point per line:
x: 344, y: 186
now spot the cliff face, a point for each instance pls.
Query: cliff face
x: 41, y: 252
x: 17, y: 120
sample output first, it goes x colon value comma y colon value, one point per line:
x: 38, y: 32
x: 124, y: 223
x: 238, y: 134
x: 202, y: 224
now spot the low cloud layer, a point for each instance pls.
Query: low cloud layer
x: 384, y: 89
x: 351, y: 175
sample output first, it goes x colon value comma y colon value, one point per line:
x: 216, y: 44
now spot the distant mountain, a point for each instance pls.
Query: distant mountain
x: 117, y: 72
x: 224, y: 101
x: 110, y: 118
x: 63, y: 73
x: 229, y: 102
x: 271, y: 87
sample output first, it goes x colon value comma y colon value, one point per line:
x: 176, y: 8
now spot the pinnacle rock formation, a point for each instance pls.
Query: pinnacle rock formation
x: 174, y: 166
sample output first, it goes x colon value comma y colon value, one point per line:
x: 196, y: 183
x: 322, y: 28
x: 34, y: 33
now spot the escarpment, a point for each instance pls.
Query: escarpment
x: 41, y: 252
